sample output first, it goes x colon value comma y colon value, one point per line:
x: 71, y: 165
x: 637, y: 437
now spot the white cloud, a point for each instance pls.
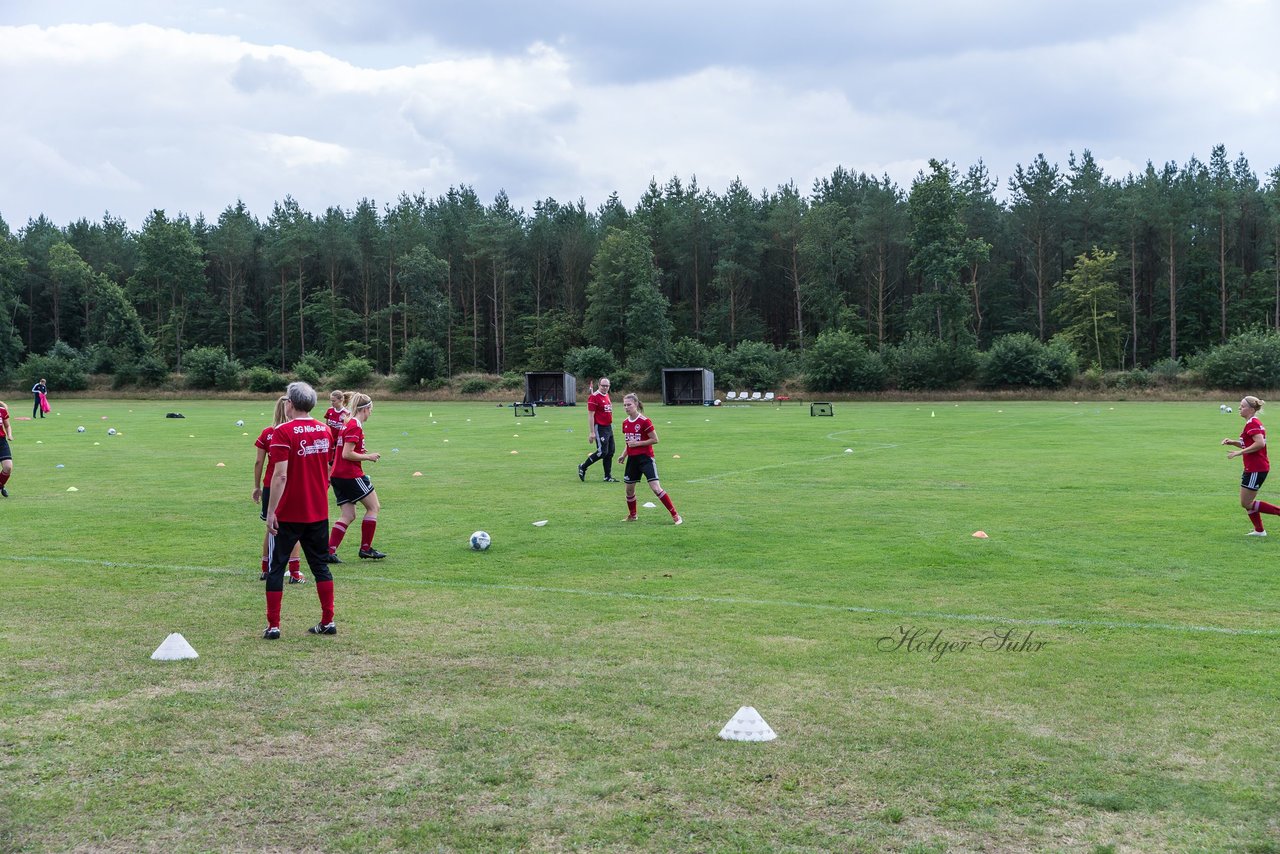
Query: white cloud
x: 127, y: 117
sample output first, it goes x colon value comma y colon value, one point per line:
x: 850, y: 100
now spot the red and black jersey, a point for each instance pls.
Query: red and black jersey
x: 1256, y: 461
x: 304, y: 444
x: 598, y: 404
x: 353, y: 435
x: 638, y: 430
x: 264, y: 443
x: 4, y: 417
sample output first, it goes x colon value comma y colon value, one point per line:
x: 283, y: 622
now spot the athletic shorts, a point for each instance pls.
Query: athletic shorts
x: 637, y: 466
x: 349, y: 490
x: 5, y: 453
x: 1249, y: 480
x: 266, y: 501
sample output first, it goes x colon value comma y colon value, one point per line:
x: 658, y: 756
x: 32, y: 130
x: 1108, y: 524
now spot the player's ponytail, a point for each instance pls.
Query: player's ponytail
x: 358, y: 400
x: 1255, y: 402
x: 279, y: 417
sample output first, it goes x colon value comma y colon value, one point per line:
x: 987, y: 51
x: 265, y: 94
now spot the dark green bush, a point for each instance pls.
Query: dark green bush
x: 475, y: 385
x: 925, y: 362
x: 352, y: 372
x: 751, y: 365
x: 264, y: 380
x: 590, y: 363
x: 1021, y: 360
x: 211, y: 367
x: 308, y: 371
x: 147, y: 372
x: 1249, y: 361
x: 839, y: 361
x: 421, y: 362
x: 689, y: 353
x: 61, y: 372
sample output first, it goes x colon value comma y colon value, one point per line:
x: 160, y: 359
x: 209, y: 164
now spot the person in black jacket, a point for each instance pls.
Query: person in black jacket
x: 36, y: 391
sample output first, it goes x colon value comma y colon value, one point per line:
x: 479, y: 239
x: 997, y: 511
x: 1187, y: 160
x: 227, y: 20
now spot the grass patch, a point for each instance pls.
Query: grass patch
x: 1099, y: 672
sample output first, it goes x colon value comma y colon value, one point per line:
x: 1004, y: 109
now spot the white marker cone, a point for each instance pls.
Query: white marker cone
x: 649, y: 504
x: 174, y: 648
x: 747, y: 725
x: 540, y: 523
x: 982, y: 535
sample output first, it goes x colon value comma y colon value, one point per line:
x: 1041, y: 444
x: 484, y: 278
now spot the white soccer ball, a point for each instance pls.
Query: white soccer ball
x: 79, y: 429
x: 239, y: 423
x: 480, y: 541
x: 1228, y: 409
x: 111, y: 431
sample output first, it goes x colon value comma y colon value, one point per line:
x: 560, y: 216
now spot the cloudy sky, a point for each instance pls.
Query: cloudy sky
x: 123, y: 107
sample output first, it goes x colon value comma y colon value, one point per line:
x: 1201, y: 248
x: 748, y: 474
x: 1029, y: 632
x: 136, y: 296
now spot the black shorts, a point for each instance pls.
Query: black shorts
x: 1251, y: 480
x: 266, y: 500
x: 5, y: 453
x: 604, y: 440
x: 637, y: 466
x: 314, y: 537
x: 349, y: 490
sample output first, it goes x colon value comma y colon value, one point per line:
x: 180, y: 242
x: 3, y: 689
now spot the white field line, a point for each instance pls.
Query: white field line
x: 1004, y: 620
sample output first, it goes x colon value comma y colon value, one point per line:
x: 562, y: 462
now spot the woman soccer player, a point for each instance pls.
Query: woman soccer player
x: 262, y: 494
x: 334, y: 418
x: 1252, y: 446
x: 6, y: 456
x: 640, y: 437
x: 350, y: 483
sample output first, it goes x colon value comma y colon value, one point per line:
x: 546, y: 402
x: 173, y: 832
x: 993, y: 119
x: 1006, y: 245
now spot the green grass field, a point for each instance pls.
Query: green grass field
x: 564, y: 689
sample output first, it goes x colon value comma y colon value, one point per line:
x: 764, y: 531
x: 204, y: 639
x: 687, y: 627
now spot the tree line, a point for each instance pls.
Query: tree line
x: 1128, y: 271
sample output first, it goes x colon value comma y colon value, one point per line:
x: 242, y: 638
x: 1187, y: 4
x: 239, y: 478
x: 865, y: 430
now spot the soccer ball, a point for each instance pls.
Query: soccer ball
x: 79, y: 429
x: 111, y: 431
x: 479, y: 541
x: 239, y: 423
x: 1228, y: 409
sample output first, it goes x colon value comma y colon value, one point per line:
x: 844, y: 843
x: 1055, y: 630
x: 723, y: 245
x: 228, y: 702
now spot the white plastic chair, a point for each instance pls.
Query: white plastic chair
x: 768, y: 395
x: 742, y: 395
x: 755, y: 395
x: 732, y: 395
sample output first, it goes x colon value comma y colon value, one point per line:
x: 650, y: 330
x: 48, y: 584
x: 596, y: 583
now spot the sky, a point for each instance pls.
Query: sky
x: 125, y: 107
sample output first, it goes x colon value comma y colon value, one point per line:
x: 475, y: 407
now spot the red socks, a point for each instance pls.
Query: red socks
x: 631, y: 507
x: 273, y: 608
x: 4, y: 477
x: 666, y: 502
x: 1256, y: 519
x: 367, y: 527
x: 324, y: 590
x: 335, y: 536
x: 1264, y: 507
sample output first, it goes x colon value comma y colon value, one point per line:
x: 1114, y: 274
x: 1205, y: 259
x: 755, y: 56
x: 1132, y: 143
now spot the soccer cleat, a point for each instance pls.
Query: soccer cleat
x: 582, y: 473
x: 676, y: 519
x: 297, y: 579
x: 1256, y: 534
x: 272, y: 633
x: 333, y: 558
x: 323, y: 629
x: 4, y: 492
x: 371, y: 554
x: 630, y: 518
x: 612, y: 480
x: 263, y: 577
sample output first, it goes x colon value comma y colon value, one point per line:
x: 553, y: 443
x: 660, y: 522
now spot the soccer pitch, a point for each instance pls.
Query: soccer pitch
x: 1098, y: 674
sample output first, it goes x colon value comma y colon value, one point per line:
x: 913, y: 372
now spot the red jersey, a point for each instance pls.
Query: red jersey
x: 334, y: 418
x: 637, y: 431
x: 1256, y: 461
x: 264, y: 442
x: 304, y: 444
x: 4, y: 416
x: 353, y: 435
x: 598, y: 404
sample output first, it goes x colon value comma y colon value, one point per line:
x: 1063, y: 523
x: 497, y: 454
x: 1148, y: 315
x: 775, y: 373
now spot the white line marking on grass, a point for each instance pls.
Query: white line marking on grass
x: 711, y: 600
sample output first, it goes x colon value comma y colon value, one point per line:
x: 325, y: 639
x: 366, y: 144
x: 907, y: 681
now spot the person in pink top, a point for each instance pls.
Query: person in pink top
x: 350, y: 483
x: 640, y: 437
x: 262, y: 495
x: 1252, y: 446
x: 298, y: 510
